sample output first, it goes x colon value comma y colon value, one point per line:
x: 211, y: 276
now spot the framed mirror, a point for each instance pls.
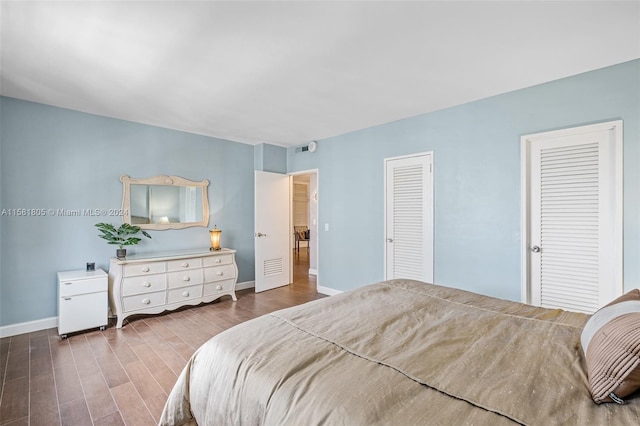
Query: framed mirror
x: 164, y: 202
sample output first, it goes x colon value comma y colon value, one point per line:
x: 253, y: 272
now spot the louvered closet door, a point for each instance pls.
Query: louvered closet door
x: 573, y: 251
x: 409, y: 218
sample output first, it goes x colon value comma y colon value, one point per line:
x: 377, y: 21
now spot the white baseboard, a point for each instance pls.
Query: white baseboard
x: 313, y: 272
x: 245, y: 285
x: 45, y: 323
x: 28, y: 327
x: 322, y: 290
x: 328, y: 291
x: 52, y: 322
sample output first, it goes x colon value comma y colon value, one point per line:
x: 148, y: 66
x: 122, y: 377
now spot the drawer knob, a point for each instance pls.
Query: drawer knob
x: 218, y: 260
x: 146, y: 301
x: 186, y: 278
x: 145, y: 269
x: 146, y: 284
x: 220, y: 273
x: 218, y: 287
x: 185, y: 294
x: 185, y: 265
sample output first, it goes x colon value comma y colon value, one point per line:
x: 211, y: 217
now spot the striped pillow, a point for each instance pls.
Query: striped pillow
x: 611, y: 343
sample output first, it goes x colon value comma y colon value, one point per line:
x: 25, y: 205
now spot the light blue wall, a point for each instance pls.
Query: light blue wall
x: 54, y: 158
x: 61, y: 159
x: 270, y: 158
x: 1, y: 204
x: 476, y: 150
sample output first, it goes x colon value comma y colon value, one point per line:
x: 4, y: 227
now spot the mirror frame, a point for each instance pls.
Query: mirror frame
x: 166, y: 181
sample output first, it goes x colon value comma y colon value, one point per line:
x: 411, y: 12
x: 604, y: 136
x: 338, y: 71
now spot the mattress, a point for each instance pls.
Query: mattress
x: 399, y: 352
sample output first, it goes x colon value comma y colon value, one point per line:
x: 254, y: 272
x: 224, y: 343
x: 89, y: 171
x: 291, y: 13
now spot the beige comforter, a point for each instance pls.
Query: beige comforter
x: 398, y: 353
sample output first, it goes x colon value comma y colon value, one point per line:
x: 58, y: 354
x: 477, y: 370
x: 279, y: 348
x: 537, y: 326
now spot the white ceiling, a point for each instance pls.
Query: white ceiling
x: 290, y: 72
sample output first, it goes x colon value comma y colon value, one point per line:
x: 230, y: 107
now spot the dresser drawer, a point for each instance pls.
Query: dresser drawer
x: 185, y: 293
x: 184, y: 264
x: 184, y: 278
x: 219, y: 287
x: 219, y: 273
x: 144, y: 269
x: 142, y: 301
x: 75, y: 287
x: 143, y: 284
x: 223, y: 259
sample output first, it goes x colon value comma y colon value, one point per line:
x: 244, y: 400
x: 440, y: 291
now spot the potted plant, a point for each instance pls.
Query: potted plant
x: 121, y: 236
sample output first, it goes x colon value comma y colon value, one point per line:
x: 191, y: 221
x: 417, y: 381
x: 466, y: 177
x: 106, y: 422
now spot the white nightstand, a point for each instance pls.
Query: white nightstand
x: 82, y: 300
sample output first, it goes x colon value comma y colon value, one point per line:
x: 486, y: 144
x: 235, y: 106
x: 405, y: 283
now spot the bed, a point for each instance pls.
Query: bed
x: 398, y: 352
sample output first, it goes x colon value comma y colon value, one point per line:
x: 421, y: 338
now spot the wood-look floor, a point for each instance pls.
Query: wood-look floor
x: 122, y: 376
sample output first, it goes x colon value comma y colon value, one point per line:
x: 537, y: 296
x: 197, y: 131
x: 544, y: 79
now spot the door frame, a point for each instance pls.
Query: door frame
x: 317, y: 240
x: 431, y: 224
x: 526, y: 141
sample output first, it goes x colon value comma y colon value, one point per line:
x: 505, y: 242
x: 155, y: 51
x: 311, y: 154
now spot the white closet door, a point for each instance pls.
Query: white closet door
x: 409, y: 217
x: 575, y: 232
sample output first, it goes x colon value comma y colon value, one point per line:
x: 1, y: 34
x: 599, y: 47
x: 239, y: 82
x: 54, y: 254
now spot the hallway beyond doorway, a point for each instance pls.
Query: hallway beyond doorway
x: 301, y: 278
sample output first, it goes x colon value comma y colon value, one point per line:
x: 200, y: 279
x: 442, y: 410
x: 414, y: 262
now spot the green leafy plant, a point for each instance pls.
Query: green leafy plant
x: 121, y: 236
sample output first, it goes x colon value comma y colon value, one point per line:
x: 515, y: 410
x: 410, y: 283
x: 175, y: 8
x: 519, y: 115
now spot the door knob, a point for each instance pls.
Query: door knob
x: 535, y: 249
x: 260, y: 234
x: 390, y: 240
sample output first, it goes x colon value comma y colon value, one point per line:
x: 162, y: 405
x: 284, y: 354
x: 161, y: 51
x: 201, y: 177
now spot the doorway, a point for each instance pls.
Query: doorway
x: 304, y: 214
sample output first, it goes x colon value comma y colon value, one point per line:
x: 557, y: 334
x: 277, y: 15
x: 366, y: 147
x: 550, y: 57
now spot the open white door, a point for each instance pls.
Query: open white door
x: 272, y: 230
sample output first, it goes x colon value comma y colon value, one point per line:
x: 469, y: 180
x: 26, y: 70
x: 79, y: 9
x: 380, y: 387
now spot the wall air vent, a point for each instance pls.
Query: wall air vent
x: 308, y: 148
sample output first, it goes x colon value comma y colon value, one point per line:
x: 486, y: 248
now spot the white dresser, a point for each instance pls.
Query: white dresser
x: 82, y: 301
x: 153, y: 283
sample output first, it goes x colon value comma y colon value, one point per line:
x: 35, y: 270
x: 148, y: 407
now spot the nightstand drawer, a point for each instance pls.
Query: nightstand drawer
x: 219, y: 273
x: 184, y: 264
x: 82, y: 312
x: 223, y: 259
x: 186, y: 278
x: 144, y: 269
x: 143, y: 301
x: 75, y: 287
x: 185, y: 293
x: 143, y: 284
